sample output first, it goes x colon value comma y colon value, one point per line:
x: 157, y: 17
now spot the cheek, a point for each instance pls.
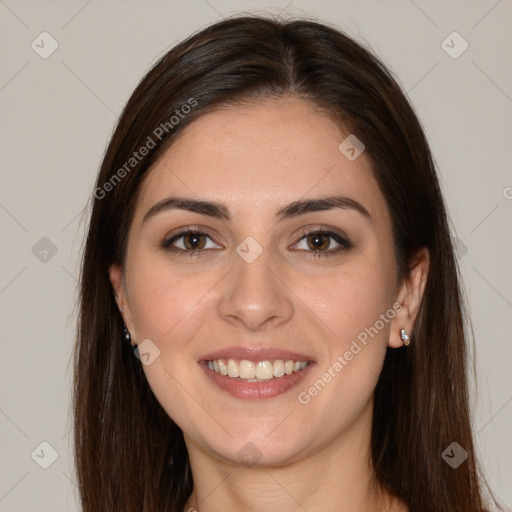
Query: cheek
x: 350, y: 302
x: 166, y: 301
x: 169, y: 308
x: 355, y: 306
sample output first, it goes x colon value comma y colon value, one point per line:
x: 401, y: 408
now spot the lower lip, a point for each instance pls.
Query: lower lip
x: 255, y: 390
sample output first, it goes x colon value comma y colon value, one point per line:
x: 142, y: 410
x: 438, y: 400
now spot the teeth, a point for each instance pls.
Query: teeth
x: 247, y: 369
x: 278, y: 368
x: 224, y: 370
x: 233, y: 368
x: 264, y: 370
x: 254, y: 372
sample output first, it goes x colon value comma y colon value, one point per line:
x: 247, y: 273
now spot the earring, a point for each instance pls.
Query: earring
x: 126, y: 334
x: 405, y: 338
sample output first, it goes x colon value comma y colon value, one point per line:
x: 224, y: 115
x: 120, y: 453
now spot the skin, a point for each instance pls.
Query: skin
x: 254, y: 160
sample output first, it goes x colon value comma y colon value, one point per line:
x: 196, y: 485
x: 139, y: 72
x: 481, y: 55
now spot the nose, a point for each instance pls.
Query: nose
x: 256, y: 296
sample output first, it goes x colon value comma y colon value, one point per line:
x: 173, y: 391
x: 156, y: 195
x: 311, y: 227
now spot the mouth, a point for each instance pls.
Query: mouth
x: 251, y: 374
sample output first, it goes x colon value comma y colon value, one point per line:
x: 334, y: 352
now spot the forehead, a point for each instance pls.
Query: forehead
x: 261, y: 156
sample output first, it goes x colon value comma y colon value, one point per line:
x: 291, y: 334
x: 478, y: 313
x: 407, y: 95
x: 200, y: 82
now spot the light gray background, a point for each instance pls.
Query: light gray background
x: 58, y: 114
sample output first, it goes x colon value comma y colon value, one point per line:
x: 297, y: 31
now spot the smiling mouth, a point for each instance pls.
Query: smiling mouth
x: 256, y: 371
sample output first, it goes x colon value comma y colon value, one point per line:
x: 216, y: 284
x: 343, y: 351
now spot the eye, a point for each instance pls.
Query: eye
x: 318, y: 242
x: 321, y: 242
x: 191, y: 241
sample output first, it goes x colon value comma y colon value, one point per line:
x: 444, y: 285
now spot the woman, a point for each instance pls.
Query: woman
x: 268, y: 232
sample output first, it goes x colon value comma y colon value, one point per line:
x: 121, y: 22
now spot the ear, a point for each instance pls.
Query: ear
x: 119, y: 286
x: 409, y: 296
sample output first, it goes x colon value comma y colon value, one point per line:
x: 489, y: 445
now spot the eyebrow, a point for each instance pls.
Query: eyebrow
x: 294, y: 209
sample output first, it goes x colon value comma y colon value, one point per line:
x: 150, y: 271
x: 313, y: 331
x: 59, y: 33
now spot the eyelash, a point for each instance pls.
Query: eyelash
x: 344, y: 243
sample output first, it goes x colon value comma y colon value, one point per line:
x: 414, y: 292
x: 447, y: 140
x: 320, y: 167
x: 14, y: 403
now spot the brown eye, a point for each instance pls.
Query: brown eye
x: 193, y: 241
x: 190, y: 242
x: 321, y: 242
x: 318, y: 242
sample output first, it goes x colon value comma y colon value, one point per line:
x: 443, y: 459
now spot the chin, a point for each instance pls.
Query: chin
x: 260, y: 450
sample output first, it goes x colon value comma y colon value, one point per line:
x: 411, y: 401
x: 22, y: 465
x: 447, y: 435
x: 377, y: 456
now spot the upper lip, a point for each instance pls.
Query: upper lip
x: 255, y: 354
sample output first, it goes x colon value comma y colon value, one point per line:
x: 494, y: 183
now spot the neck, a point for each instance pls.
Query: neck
x: 337, y: 477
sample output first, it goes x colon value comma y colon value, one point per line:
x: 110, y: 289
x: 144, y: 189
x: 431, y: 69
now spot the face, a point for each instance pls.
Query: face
x: 256, y: 279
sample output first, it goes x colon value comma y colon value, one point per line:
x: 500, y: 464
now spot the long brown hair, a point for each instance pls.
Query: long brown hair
x: 130, y: 455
